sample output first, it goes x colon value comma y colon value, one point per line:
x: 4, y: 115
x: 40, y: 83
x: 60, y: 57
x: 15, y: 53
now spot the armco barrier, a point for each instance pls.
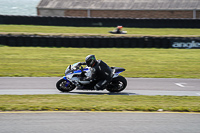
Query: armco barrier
x: 99, y: 41
x: 100, y: 22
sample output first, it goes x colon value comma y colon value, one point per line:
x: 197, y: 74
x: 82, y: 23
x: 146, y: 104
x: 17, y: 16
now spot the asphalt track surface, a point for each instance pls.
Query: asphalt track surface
x: 99, y: 122
x: 136, y: 86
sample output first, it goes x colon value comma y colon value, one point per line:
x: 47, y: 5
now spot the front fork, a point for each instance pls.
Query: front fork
x: 65, y: 78
x: 67, y: 81
x: 71, y: 81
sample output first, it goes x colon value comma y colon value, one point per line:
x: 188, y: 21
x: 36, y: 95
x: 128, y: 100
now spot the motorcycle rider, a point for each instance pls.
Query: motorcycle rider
x: 99, y: 70
x: 119, y: 29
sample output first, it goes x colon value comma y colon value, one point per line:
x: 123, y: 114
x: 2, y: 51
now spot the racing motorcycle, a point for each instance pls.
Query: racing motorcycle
x: 74, y: 75
x: 115, y: 32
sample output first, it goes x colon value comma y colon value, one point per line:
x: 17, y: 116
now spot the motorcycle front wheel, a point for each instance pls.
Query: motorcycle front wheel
x: 117, y: 84
x: 64, y: 86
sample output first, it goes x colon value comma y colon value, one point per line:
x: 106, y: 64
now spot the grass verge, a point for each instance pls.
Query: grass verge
x: 52, y: 62
x: 63, y: 30
x: 98, y: 103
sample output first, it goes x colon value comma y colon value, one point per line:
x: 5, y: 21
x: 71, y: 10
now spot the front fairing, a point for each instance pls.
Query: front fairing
x: 74, y: 69
x: 71, y: 68
x: 68, y: 70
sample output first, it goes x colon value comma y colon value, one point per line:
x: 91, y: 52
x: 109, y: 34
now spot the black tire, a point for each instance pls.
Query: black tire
x: 64, y: 86
x: 117, y: 84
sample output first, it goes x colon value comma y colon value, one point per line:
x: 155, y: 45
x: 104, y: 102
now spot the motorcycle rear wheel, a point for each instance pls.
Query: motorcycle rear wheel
x: 65, y: 86
x: 117, y: 84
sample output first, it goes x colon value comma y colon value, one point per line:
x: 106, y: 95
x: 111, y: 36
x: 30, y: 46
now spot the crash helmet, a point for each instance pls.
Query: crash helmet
x: 90, y: 60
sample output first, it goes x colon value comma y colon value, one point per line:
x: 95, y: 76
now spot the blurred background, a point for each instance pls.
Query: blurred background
x: 18, y: 7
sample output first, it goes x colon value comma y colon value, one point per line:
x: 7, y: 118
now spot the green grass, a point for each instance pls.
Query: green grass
x: 32, y: 29
x: 50, y: 62
x: 98, y: 103
x: 152, y: 63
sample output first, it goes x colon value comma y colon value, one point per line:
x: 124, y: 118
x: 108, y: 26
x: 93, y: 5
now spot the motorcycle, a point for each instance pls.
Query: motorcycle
x: 115, y: 32
x: 74, y: 75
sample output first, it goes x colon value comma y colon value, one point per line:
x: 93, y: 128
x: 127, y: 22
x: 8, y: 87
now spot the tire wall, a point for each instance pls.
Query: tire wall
x: 99, y: 41
x: 100, y: 22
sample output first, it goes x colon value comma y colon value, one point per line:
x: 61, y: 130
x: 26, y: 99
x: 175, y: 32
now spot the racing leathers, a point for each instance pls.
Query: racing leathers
x: 101, y: 72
